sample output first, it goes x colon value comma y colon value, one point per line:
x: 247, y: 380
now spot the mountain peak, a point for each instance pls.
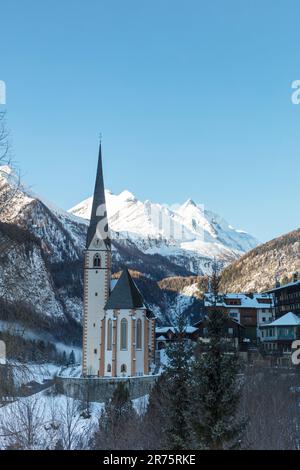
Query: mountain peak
x: 127, y: 196
x: 189, y: 202
x: 6, y: 170
x: 187, y: 228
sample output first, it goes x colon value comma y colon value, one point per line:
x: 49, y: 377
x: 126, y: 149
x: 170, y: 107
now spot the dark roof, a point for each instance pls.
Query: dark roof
x: 228, y: 319
x: 125, y: 294
x: 284, y: 286
x: 99, y: 200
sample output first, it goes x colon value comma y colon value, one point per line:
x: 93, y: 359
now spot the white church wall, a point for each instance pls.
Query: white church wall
x: 94, y: 310
x: 124, y: 355
x: 140, y: 314
x: 109, y: 352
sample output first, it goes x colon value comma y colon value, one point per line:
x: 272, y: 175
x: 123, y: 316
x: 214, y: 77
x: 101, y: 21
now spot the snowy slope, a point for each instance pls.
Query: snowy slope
x: 257, y: 269
x: 42, y: 246
x: 188, y: 231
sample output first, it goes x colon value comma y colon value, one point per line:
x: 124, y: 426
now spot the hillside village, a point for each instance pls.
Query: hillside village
x: 49, y: 242
x: 85, y: 313
x: 149, y: 232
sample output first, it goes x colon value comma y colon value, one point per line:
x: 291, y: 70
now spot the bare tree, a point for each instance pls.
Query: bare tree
x: 74, y: 434
x: 4, y: 140
x: 21, y: 423
x: 9, y: 177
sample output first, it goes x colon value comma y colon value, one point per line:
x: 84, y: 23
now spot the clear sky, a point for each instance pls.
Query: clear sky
x: 193, y: 99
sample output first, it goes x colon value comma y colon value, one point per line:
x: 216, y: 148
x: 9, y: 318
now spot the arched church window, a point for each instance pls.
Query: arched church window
x: 139, y: 334
x: 123, y: 368
x: 124, y: 333
x: 109, y: 335
x: 97, y: 261
x: 108, y: 368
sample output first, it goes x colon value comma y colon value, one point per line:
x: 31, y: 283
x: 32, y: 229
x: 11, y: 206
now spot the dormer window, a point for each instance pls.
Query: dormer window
x: 97, y: 261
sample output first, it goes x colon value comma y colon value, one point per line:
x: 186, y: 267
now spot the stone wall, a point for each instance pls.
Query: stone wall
x: 101, y: 389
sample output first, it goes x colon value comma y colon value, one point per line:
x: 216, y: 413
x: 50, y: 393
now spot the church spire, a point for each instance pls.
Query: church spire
x: 98, y: 220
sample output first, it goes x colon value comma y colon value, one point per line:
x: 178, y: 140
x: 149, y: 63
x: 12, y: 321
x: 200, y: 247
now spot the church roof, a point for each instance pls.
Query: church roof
x: 99, y: 205
x: 125, y: 294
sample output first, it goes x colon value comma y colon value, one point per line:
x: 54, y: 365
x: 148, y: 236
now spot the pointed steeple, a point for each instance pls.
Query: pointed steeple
x: 99, y: 213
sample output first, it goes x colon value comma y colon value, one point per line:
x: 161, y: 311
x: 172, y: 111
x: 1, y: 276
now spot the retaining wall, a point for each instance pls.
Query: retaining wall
x: 101, y: 389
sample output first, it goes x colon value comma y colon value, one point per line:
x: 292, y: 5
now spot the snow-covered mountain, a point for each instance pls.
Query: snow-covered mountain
x: 41, y: 256
x: 187, y: 234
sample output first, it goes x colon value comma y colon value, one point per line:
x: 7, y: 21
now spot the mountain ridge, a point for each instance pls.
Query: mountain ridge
x: 257, y: 269
x: 187, y: 230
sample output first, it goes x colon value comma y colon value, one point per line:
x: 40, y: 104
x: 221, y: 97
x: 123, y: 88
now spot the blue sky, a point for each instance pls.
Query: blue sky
x: 193, y: 99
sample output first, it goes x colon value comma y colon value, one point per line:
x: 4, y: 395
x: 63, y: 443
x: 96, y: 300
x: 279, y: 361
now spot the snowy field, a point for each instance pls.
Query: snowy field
x: 47, y: 420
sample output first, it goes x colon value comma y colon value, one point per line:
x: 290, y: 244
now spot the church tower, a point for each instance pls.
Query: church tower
x: 97, y: 275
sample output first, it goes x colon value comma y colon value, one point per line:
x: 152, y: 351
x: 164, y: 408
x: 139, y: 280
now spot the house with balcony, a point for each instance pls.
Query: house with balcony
x: 286, y: 297
x: 233, y: 334
x: 277, y: 336
x: 249, y: 310
x: 167, y: 334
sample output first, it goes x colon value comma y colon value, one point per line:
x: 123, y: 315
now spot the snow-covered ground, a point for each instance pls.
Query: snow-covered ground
x: 47, y: 420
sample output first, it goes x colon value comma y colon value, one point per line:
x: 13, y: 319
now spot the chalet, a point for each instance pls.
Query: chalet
x: 233, y: 333
x: 278, y: 335
x: 248, y: 310
x: 167, y: 334
x: 286, y: 297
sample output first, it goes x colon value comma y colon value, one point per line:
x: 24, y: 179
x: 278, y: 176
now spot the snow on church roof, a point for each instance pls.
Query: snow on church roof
x: 289, y: 319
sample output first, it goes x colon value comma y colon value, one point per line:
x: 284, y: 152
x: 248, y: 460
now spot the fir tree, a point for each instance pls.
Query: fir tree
x: 177, y: 379
x: 215, y: 390
x: 118, y: 422
x: 153, y: 421
x: 64, y: 358
x: 72, y: 358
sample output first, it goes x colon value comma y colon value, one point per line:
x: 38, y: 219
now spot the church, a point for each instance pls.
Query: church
x: 118, y: 328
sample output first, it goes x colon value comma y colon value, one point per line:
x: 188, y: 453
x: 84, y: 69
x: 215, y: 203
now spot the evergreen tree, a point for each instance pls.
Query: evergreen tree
x: 64, y: 358
x: 177, y: 380
x: 215, y: 391
x: 153, y: 421
x: 118, y: 424
x: 72, y: 358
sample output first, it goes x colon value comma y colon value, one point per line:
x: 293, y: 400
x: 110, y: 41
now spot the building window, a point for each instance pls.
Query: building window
x: 123, y: 368
x: 230, y: 331
x: 108, y: 368
x: 109, y: 335
x: 95, y: 351
x: 139, y: 334
x: 97, y: 261
x: 124, y: 334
